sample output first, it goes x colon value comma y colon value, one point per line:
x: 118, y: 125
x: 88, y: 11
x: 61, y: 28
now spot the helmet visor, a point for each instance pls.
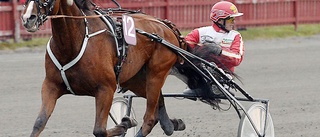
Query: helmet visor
x: 236, y: 15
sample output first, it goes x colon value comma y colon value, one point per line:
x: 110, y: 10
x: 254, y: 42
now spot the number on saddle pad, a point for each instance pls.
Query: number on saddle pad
x: 129, y: 30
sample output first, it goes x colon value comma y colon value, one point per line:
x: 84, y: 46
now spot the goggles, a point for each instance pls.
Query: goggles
x: 230, y: 20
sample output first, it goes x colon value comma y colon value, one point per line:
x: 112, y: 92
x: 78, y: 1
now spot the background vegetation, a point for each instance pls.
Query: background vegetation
x: 280, y: 31
x: 248, y: 34
x: 271, y: 32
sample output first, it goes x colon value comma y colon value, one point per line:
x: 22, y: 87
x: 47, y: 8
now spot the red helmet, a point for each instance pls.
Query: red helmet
x: 222, y: 10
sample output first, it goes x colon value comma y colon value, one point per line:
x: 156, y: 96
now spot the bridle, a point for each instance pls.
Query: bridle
x: 50, y: 10
x: 47, y: 5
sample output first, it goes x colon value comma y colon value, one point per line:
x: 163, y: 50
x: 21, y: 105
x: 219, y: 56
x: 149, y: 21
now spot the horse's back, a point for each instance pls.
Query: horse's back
x: 147, y: 55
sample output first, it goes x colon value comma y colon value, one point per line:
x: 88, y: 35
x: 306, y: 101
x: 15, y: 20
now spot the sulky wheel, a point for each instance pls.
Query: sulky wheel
x: 257, y: 112
x: 117, y: 112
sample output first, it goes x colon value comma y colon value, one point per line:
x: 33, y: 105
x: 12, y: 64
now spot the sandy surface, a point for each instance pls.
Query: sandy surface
x: 286, y: 71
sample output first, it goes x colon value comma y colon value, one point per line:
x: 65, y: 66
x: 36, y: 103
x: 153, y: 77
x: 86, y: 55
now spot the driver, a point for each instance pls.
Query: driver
x: 222, y: 44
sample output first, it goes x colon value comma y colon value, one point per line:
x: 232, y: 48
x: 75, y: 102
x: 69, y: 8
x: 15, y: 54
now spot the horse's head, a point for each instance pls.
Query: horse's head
x: 37, y: 11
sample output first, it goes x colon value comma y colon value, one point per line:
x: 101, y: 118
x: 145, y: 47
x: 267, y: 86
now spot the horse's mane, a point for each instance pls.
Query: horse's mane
x: 85, y: 4
x: 172, y: 26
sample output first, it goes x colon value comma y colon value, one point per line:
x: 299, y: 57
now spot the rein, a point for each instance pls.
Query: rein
x: 76, y: 17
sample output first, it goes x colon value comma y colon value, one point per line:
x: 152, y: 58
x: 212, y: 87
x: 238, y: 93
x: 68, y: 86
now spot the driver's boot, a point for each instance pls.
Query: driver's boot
x: 192, y: 92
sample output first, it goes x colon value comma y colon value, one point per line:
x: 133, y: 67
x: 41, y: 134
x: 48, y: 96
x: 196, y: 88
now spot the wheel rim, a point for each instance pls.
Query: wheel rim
x: 257, y: 113
x: 118, y: 111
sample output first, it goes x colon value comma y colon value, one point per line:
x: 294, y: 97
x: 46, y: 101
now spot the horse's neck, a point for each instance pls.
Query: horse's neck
x: 68, y: 33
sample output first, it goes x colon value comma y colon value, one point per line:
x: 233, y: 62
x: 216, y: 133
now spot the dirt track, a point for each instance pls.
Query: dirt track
x: 286, y: 71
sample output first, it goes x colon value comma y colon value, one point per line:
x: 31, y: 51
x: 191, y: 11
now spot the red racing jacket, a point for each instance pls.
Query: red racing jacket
x: 231, y: 44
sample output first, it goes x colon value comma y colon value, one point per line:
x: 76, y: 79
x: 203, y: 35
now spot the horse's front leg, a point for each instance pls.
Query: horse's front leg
x: 103, y: 97
x: 49, y: 95
x: 149, y: 119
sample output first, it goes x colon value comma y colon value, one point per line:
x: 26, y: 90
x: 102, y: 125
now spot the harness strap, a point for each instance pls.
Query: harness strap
x: 121, y: 45
x: 74, y: 61
x: 111, y: 28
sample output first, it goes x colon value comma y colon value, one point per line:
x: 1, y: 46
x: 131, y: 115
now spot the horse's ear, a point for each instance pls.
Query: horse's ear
x: 70, y: 2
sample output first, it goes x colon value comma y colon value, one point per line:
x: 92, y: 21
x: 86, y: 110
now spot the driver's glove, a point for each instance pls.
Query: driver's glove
x: 212, y: 48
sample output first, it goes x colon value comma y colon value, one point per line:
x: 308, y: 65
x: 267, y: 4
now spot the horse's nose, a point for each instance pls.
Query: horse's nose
x: 29, y: 18
x: 32, y: 18
x: 30, y: 23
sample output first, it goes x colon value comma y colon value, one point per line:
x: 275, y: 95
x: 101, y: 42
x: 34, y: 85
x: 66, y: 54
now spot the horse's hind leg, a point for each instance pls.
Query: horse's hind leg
x: 165, y: 122
x: 154, y: 82
x: 152, y: 96
x: 49, y: 97
x: 168, y: 125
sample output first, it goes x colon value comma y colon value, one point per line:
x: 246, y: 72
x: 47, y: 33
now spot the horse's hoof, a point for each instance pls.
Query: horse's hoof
x: 178, y: 124
x: 167, y: 126
x: 139, y: 134
x: 168, y: 130
x: 130, y: 121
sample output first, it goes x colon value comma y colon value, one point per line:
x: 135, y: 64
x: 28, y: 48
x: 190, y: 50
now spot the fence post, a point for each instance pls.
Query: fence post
x: 296, y: 14
x: 233, y: 1
x: 16, y: 29
x: 167, y: 10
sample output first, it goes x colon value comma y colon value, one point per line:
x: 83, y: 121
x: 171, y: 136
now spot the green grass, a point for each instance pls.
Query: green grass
x: 35, y: 42
x: 280, y: 31
x: 272, y: 32
x: 253, y: 33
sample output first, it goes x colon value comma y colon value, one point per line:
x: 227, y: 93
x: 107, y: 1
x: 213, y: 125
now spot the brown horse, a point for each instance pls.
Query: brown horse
x: 82, y: 55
